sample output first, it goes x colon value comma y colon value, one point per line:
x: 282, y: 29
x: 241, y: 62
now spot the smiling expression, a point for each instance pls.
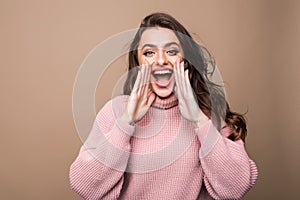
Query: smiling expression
x: 161, y: 48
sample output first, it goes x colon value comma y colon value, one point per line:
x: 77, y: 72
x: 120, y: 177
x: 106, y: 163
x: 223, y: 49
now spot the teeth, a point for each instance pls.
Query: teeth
x: 162, y: 72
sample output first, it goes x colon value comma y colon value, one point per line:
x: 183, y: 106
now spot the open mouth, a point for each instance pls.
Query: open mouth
x: 162, y: 77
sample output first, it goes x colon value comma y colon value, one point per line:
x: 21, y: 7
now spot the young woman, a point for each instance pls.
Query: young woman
x: 172, y: 134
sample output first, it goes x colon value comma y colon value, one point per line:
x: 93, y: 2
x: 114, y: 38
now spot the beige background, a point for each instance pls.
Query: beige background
x: 42, y: 44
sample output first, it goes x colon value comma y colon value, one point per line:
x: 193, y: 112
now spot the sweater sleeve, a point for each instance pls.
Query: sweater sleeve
x: 228, y: 171
x: 98, y: 171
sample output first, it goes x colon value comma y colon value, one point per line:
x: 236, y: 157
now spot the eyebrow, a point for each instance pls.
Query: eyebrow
x: 166, y: 45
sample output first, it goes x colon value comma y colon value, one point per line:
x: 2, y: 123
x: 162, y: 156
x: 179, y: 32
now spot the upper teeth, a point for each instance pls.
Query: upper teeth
x: 162, y: 72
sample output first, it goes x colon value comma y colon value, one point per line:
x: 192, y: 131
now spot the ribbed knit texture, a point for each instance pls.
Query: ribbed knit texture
x: 161, y: 157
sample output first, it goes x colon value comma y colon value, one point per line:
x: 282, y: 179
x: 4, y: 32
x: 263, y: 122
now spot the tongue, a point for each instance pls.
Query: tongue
x: 163, y: 81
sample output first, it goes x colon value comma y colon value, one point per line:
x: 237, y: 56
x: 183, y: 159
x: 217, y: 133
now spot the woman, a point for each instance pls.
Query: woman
x: 172, y: 134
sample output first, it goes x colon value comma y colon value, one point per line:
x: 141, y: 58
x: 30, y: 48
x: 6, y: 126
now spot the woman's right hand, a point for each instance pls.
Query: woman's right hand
x: 141, y: 96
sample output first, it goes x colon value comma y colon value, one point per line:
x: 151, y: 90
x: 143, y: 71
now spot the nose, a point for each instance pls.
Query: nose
x: 161, y: 58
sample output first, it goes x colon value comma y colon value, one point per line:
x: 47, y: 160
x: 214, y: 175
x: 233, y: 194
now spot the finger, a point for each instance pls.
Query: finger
x: 184, y: 80
x: 151, y: 97
x: 176, y: 76
x: 139, y: 89
x: 137, y: 82
x: 146, y: 80
x: 175, y: 91
x: 189, y: 88
x: 177, y: 80
x: 181, y: 78
x: 148, y: 74
x: 176, y: 73
x: 186, y: 77
x: 188, y: 80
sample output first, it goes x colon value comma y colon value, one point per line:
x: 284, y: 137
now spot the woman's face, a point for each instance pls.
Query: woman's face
x: 161, y: 48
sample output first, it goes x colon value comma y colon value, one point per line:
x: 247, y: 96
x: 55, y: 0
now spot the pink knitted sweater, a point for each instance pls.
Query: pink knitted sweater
x: 160, y: 157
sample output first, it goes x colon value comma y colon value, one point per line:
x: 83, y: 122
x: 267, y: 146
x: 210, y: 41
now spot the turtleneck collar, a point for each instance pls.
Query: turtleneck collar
x: 165, y: 103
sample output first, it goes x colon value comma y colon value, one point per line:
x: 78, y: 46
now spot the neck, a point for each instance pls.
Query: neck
x: 165, y: 103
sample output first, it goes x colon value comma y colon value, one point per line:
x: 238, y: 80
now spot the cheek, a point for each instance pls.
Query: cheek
x: 149, y: 59
x: 142, y: 59
x: 173, y: 59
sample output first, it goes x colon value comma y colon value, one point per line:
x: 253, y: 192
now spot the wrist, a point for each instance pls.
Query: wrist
x: 125, y: 118
x: 199, y: 123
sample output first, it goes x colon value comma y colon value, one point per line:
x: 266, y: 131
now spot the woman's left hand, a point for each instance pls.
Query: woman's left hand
x: 188, y: 105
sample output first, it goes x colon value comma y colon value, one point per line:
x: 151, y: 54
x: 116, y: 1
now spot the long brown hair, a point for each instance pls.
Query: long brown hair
x: 210, y: 96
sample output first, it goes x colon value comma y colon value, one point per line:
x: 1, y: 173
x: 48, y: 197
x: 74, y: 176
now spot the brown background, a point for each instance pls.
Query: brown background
x: 256, y: 44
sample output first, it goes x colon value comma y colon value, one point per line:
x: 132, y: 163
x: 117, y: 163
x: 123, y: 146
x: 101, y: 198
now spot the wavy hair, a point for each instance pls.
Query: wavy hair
x: 209, y: 95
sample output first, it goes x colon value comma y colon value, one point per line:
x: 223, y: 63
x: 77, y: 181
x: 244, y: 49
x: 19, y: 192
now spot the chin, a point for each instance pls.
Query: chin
x: 163, y: 93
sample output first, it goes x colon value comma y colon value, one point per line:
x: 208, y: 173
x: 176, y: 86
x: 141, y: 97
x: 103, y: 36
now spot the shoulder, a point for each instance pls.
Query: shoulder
x: 226, y: 130
x: 114, y: 107
x: 108, y: 114
x: 116, y: 102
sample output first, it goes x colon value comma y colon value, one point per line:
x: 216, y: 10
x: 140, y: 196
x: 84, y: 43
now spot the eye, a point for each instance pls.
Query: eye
x: 148, y: 53
x: 172, y: 52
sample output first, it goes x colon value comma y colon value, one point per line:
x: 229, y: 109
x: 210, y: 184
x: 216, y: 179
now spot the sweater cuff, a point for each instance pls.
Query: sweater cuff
x: 120, y: 138
x: 124, y: 127
x: 208, y: 136
x: 201, y: 132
